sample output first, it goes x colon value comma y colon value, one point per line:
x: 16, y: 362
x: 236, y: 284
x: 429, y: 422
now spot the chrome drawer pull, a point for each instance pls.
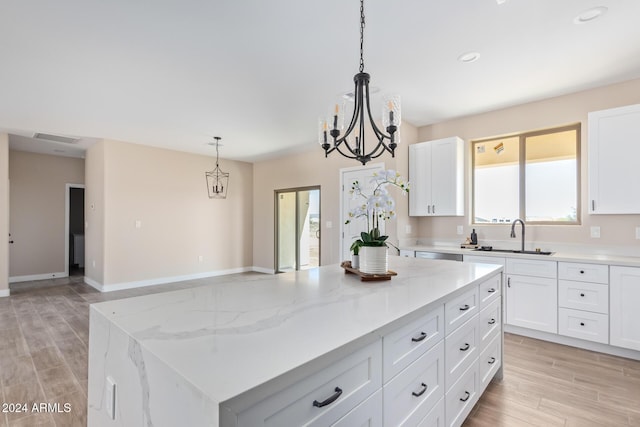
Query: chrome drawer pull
x: 330, y: 400
x: 465, y: 308
x: 420, y: 338
x: 492, y: 360
x: 421, y: 392
x: 466, y: 347
x: 466, y: 397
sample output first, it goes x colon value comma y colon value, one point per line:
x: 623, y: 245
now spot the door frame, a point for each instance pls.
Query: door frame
x: 276, y: 246
x: 373, y: 166
x: 67, y: 214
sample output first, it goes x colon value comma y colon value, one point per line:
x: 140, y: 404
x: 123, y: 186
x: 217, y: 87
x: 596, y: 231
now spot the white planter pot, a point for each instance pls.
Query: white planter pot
x: 374, y: 260
x: 355, y: 261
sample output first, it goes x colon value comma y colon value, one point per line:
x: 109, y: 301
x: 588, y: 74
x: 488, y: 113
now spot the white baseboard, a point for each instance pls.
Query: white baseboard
x: 573, y: 342
x: 162, y: 280
x: 4, y: 292
x: 18, y: 279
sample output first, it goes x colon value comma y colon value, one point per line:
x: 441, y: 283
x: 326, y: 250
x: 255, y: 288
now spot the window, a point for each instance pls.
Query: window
x: 533, y: 176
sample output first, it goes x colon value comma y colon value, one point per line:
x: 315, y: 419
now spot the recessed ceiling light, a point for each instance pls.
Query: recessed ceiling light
x: 501, y: 1
x: 469, y: 57
x: 590, y: 15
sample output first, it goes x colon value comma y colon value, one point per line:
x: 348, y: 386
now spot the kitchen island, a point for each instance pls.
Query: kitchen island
x: 315, y: 347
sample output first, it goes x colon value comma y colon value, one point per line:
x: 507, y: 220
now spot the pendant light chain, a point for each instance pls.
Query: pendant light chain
x: 361, y: 36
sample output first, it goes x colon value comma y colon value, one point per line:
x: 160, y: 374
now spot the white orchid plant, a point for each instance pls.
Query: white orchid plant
x: 375, y: 207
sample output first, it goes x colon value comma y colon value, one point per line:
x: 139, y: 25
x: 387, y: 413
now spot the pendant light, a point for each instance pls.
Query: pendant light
x: 217, y: 181
x: 352, y: 143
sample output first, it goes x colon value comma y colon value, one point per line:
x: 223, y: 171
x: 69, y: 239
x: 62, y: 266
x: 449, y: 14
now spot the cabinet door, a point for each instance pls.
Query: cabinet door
x: 532, y: 302
x: 447, y: 168
x: 613, y: 160
x: 420, y: 179
x: 624, y: 288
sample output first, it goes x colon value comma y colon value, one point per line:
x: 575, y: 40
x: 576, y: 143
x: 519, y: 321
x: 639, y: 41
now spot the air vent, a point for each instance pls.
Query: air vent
x: 56, y: 138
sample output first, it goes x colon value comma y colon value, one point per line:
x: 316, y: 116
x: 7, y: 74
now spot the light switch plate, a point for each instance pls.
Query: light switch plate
x: 138, y: 223
x: 329, y: 224
x: 460, y: 230
x: 407, y: 229
x: 595, y: 232
x: 110, y: 397
x: 638, y: 233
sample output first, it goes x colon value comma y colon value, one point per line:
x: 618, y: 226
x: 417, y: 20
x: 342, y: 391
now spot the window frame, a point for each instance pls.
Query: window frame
x: 522, y: 162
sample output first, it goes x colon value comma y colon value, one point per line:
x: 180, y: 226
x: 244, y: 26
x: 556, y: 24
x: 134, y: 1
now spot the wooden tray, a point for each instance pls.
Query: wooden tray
x: 366, y: 277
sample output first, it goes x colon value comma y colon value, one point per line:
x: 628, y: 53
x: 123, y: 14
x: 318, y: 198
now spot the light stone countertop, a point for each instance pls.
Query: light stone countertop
x: 226, y: 339
x: 565, y: 256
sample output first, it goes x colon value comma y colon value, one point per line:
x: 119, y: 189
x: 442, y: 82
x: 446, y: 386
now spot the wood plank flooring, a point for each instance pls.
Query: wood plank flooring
x: 44, y: 333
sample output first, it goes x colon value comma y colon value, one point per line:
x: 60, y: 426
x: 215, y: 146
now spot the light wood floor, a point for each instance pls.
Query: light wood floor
x: 44, y: 332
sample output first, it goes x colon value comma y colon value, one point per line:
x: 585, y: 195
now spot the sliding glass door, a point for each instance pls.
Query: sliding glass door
x: 297, y: 229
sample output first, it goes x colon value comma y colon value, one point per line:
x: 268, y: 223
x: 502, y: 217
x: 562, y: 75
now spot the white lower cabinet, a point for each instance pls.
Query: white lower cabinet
x: 461, y: 349
x: 368, y: 413
x: 532, y: 302
x: 435, y: 417
x: 462, y: 396
x: 490, y: 361
x: 324, y: 397
x: 410, y: 396
x: 583, y: 324
x: 625, y: 300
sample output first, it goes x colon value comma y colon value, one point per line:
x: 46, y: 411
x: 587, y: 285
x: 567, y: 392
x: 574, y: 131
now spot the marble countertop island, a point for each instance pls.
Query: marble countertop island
x: 216, y: 342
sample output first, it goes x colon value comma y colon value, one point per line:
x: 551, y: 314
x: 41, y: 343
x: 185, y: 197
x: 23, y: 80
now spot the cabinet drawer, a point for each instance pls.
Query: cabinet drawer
x: 357, y: 376
x: 484, y: 259
x: 490, y: 361
x: 532, y: 267
x: 460, y: 309
x: 435, y: 417
x: 410, y: 396
x: 490, y: 322
x: 584, y: 325
x: 461, y: 349
x: 594, y: 273
x: 490, y: 290
x: 462, y: 396
x: 368, y: 413
x: 583, y: 296
x: 404, y: 345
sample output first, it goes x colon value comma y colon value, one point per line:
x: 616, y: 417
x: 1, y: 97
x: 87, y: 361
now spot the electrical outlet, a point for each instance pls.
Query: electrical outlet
x: 407, y: 229
x: 200, y: 258
x: 110, y: 397
x: 460, y: 230
x: 329, y: 224
x: 595, y: 232
x: 638, y: 233
x: 138, y: 223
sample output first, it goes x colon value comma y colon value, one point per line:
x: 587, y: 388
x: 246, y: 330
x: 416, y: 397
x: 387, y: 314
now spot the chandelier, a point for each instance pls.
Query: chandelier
x: 352, y: 145
x: 217, y: 181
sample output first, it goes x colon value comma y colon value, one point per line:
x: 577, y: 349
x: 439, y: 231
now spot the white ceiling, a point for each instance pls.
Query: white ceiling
x: 258, y: 73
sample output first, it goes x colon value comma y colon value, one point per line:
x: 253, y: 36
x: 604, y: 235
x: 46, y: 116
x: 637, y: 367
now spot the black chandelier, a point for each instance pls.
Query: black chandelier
x: 217, y: 181
x: 355, y: 148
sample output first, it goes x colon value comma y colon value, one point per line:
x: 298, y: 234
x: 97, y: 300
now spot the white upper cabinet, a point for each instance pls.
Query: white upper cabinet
x: 436, y: 174
x: 614, y: 150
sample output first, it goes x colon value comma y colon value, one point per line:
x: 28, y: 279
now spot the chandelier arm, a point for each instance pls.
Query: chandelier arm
x: 354, y: 118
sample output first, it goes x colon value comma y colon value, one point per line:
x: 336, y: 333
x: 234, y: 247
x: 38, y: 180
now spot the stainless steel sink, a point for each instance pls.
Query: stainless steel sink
x: 511, y: 251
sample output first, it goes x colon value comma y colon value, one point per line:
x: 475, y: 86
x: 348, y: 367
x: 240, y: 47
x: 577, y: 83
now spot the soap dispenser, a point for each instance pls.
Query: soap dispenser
x: 474, y: 237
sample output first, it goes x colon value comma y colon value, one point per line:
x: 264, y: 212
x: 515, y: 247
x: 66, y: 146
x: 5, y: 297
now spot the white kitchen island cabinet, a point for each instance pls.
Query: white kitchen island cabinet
x: 316, y: 348
x: 625, y: 299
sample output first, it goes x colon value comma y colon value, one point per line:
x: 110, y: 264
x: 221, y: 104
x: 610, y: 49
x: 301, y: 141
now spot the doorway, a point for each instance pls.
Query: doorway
x: 297, y: 229
x: 74, y: 225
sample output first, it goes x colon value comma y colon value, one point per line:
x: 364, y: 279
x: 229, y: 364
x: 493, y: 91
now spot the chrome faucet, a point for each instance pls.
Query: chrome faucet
x: 513, y: 231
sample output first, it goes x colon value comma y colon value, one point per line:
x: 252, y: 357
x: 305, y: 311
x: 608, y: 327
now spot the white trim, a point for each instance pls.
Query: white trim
x: 18, y: 279
x: 67, y: 200
x: 573, y: 342
x: 4, y: 292
x: 263, y: 270
x: 162, y: 280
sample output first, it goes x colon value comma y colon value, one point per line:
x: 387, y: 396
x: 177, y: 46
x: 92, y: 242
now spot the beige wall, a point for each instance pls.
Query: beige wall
x: 94, y: 213
x: 573, y: 108
x: 37, y: 211
x: 166, y: 191
x: 309, y: 169
x: 4, y: 214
